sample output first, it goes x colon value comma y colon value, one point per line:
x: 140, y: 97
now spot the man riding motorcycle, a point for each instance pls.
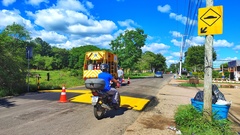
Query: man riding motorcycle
x: 107, y: 77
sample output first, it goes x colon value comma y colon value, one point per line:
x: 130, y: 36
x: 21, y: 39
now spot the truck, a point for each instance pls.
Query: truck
x: 93, y: 60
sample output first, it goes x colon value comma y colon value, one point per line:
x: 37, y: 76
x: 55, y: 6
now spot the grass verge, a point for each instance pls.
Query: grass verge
x: 191, y: 122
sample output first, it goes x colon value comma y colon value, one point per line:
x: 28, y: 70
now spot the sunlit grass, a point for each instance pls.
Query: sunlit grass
x: 56, y: 79
x: 190, y: 122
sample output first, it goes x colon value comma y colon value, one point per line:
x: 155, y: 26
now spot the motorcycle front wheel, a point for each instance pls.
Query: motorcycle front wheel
x: 99, y: 111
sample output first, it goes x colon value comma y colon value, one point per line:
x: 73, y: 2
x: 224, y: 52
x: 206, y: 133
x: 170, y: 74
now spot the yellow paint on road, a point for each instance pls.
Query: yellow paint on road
x: 135, y: 103
x: 128, y: 102
x: 85, y: 97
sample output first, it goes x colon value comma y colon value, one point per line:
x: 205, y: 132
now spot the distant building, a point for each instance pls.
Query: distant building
x: 234, y: 69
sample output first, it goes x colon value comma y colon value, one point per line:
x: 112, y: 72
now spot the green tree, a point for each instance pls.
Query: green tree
x: 146, y: 62
x: 160, y: 63
x: 174, y: 67
x: 127, y: 47
x: 194, y: 57
x: 42, y: 47
x: 60, y: 58
x: 13, y: 63
x: 224, y: 65
x: 77, y: 55
x: 48, y: 62
x: 38, y: 61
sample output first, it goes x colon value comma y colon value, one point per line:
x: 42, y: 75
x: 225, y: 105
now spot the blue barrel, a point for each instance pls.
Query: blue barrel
x: 219, y: 111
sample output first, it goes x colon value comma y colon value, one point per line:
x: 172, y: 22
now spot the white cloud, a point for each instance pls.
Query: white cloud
x: 184, y: 20
x: 194, y: 41
x: 230, y: 59
x: 176, y: 54
x: 72, y: 22
x: 100, y: 41
x: 170, y: 60
x: 199, y: 40
x: 180, y: 18
x: 127, y: 23
x: 98, y: 27
x: 36, y: 2
x: 164, y: 9
x: 51, y: 36
x: 175, y: 34
x: 222, y: 43
x: 71, y: 5
x: 237, y: 47
x: 89, y: 4
x: 176, y: 43
x: 218, y: 62
x: 9, y: 17
x: 8, y: 2
x: 156, y: 48
x: 149, y: 37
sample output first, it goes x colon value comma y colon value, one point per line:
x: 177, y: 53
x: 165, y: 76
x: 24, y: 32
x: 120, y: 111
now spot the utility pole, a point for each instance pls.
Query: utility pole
x: 180, y: 66
x: 207, y: 106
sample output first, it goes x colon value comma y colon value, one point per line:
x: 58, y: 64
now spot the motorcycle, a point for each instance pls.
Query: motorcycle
x: 101, y: 101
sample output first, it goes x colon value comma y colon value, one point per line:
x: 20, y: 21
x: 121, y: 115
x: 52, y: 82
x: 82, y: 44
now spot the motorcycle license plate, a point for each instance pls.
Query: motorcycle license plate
x: 94, y: 100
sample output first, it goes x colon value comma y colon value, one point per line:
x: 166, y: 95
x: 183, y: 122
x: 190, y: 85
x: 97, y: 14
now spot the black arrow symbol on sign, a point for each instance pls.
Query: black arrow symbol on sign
x: 203, y: 30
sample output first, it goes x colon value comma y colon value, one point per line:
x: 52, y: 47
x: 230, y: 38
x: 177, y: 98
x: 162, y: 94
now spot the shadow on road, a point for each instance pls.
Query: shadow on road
x: 113, y: 113
x: 5, y: 103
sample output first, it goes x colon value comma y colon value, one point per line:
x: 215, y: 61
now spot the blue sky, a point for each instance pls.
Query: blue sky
x: 73, y: 23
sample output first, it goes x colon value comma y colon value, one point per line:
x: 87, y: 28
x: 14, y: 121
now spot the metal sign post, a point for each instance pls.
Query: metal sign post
x: 28, y: 70
x: 29, y: 55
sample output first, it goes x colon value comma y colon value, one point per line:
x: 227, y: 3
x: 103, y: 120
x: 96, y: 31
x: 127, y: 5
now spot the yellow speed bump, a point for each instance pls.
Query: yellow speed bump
x: 84, y: 98
x: 135, y: 103
x: 129, y: 102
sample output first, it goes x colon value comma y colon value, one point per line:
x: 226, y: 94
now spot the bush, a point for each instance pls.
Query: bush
x: 74, y: 72
x: 191, y: 85
x: 190, y: 122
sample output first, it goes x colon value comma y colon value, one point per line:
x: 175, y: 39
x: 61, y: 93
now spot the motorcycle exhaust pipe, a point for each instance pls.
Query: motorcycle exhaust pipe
x: 106, y: 106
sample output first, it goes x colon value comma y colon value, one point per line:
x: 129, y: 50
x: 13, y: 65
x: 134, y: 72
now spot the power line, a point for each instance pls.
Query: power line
x: 190, y: 23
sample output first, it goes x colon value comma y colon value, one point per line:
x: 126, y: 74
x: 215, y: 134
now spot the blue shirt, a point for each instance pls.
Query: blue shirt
x: 107, y: 78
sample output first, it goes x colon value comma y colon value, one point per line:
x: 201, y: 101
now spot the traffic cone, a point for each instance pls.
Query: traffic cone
x: 128, y: 80
x: 63, y: 96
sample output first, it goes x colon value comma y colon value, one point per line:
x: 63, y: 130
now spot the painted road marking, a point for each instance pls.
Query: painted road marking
x: 85, y: 97
x: 128, y: 102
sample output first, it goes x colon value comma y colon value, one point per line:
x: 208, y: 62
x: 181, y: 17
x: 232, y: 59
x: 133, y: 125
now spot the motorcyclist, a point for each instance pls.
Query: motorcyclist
x: 107, y: 77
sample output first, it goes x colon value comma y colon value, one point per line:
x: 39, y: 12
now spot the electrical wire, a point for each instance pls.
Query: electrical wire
x: 190, y: 23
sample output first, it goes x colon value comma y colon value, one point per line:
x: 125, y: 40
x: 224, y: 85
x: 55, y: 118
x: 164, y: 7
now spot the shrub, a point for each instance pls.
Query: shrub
x: 190, y: 122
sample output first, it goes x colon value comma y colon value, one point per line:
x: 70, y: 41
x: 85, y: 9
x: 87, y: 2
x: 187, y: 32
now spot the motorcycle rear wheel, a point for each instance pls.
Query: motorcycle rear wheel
x: 99, y: 111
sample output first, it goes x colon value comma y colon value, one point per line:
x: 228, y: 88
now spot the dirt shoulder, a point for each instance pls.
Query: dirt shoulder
x: 157, y: 120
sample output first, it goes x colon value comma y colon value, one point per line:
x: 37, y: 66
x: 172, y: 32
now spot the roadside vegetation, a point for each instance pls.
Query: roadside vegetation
x: 191, y: 122
x: 64, y: 65
x: 39, y: 79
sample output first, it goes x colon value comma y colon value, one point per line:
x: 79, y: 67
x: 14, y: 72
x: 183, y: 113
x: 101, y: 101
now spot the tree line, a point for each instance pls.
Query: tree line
x: 14, y: 40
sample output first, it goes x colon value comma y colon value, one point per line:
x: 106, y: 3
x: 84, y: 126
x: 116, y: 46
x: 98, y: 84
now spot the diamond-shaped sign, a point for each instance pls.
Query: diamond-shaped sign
x: 210, y: 17
x: 210, y: 20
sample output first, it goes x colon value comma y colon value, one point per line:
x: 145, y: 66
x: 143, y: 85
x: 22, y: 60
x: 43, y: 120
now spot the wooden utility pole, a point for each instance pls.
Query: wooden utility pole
x: 207, y: 106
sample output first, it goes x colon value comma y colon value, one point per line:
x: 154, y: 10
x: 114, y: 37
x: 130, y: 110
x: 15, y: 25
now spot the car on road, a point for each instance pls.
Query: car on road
x: 158, y: 74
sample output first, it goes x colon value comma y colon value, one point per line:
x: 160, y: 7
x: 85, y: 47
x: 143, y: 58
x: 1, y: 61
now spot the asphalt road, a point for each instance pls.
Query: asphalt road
x: 42, y: 114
